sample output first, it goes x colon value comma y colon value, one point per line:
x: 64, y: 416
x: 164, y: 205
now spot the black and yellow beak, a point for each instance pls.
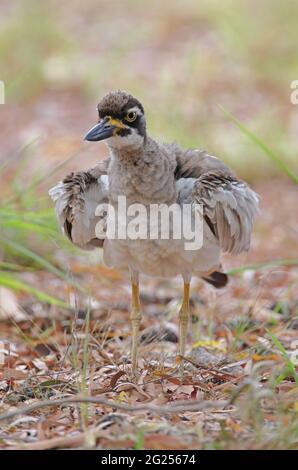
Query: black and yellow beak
x: 106, y: 128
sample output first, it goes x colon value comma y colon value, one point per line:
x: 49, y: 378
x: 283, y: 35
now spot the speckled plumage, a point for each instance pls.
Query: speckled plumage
x: 146, y: 171
x: 76, y: 199
x: 116, y: 102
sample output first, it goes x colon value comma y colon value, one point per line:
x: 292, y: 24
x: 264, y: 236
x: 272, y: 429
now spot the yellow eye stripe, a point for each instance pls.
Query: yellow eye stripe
x: 116, y: 122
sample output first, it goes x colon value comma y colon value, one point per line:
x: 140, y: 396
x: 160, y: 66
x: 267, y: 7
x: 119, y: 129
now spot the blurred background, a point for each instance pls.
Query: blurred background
x: 211, y: 74
x: 182, y: 59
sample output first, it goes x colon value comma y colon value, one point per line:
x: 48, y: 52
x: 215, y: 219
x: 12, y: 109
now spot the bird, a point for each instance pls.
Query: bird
x: 146, y: 171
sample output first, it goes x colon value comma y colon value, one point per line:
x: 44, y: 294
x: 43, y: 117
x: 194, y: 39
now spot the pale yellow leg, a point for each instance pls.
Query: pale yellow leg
x: 183, y: 322
x: 135, y: 317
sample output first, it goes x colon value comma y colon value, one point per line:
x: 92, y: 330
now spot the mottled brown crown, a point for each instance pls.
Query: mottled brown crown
x: 117, y: 103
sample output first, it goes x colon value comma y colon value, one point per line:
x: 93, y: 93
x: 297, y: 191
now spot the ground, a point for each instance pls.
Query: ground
x: 237, y: 374
x: 64, y: 317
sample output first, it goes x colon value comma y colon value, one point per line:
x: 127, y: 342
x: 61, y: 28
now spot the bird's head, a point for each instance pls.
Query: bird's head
x: 121, y: 121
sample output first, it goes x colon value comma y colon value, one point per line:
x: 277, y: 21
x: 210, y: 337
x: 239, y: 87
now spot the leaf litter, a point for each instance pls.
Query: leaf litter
x: 238, y: 389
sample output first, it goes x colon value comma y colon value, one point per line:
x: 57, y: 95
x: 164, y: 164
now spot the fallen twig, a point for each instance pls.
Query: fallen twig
x: 212, y: 370
x: 177, y: 407
x: 86, y: 439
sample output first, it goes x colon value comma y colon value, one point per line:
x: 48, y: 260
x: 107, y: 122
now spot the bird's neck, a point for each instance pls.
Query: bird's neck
x: 128, y: 154
x: 128, y: 148
x: 142, y: 173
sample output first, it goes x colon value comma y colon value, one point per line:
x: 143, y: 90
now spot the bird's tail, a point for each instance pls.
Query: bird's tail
x: 218, y: 279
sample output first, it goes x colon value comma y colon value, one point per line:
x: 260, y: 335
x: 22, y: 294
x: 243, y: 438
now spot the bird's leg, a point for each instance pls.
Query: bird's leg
x: 183, y: 323
x: 135, y: 317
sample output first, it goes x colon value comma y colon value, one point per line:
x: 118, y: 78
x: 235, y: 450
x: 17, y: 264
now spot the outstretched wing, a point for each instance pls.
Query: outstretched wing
x: 230, y: 206
x: 77, y: 198
x: 194, y: 163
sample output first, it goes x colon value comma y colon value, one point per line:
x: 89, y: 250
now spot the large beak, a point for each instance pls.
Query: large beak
x: 102, y: 130
x: 106, y: 128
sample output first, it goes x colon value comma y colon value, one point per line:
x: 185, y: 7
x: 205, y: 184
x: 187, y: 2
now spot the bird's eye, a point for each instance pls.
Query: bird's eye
x: 131, y: 116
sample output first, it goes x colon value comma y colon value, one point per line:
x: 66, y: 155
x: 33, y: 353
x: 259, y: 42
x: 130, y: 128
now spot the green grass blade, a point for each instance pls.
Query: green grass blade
x: 269, y: 264
x: 14, y: 267
x: 84, y: 383
x: 17, y: 285
x: 40, y: 261
x: 8, y: 160
x: 285, y: 355
x: 31, y: 227
x: 267, y: 150
x: 43, y: 178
